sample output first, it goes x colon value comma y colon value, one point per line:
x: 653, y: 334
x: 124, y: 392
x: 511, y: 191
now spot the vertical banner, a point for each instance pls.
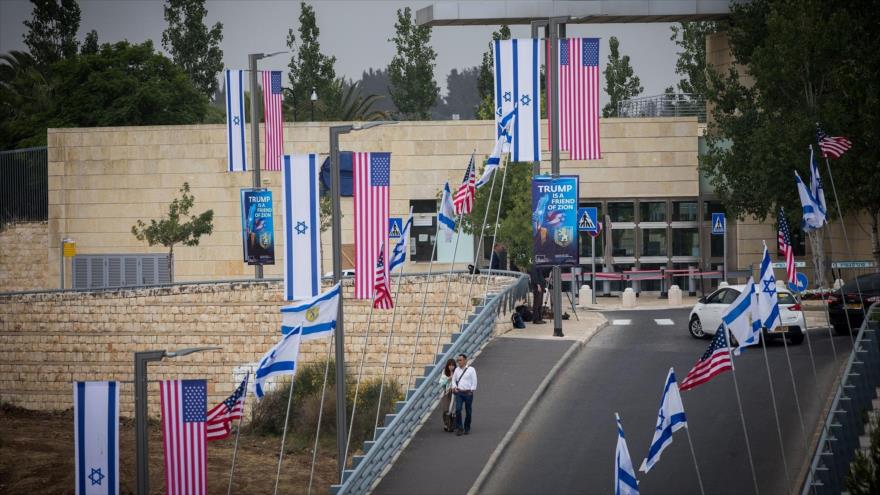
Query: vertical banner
x: 554, y: 220
x: 257, y: 227
x: 235, y: 145
x: 517, y: 88
x: 302, y: 227
x: 96, y: 437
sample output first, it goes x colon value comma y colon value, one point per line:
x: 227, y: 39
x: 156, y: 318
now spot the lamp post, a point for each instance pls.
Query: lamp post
x: 314, y: 98
x: 141, y: 359
x: 557, y: 28
x: 336, y: 223
x: 253, y: 58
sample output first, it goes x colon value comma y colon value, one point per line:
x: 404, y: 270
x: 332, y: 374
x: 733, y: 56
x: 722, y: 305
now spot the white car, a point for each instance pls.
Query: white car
x: 705, y: 318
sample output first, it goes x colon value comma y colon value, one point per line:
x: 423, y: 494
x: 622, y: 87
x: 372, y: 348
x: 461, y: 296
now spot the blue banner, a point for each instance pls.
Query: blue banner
x: 257, y: 227
x: 555, y: 220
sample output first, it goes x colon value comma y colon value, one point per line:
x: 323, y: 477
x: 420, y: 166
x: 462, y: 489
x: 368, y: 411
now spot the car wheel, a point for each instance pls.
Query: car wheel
x: 696, y: 328
x: 797, y: 338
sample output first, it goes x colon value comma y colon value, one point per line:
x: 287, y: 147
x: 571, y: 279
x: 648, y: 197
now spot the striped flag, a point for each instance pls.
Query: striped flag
x: 235, y: 145
x: 784, y: 248
x: 579, y: 98
x: 381, y: 292
x: 274, y: 128
x: 714, y: 361
x: 464, y: 197
x: 517, y: 86
x: 832, y: 146
x: 302, y: 227
x: 184, y: 403
x: 96, y: 437
x: 220, y: 418
x: 372, y: 178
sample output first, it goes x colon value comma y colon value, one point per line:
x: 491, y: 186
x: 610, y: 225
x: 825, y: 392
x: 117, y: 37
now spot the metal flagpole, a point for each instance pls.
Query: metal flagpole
x: 357, y: 385
x: 284, y: 436
x: 495, y: 232
x: 448, y: 284
x: 807, y: 335
x: 742, y: 416
x: 422, y: 312
x: 830, y: 327
x: 797, y: 401
x: 776, y: 414
x: 320, y: 413
x: 238, y: 434
x: 694, y: 457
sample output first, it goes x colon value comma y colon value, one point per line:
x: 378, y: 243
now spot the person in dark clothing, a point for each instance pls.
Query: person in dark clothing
x: 539, y: 285
x: 499, y: 257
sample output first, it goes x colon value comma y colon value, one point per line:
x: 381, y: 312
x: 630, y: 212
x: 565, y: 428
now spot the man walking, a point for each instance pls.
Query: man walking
x: 464, y: 383
x: 498, y: 259
x: 536, y: 277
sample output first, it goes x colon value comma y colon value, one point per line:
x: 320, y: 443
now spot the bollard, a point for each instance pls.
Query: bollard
x: 585, y: 296
x: 674, y: 296
x: 628, y: 298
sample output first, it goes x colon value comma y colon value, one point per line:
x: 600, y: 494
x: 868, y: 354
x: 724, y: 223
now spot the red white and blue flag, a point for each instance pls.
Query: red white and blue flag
x: 381, y: 292
x: 715, y: 360
x: 274, y: 128
x: 220, y: 418
x: 184, y: 405
x: 831, y: 146
x: 463, y: 201
x: 784, y: 248
x: 372, y: 178
x: 579, y: 98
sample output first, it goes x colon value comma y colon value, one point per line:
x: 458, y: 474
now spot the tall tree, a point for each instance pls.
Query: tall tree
x: 52, y: 29
x: 413, y: 88
x: 621, y: 83
x: 691, y: 63
x: 26, y: 101
x: 378, y: 82
x: 310, y: 69
x: 485, y: 110
x: 192, y: 45
x: 90, y: 44
x: 461, y: 94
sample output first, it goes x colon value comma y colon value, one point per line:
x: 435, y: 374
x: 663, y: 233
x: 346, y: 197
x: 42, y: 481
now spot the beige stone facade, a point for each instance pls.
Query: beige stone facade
x: 23, y: 256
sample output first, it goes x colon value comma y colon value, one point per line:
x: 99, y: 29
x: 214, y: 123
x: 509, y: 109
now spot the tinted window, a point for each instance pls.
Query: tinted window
x: 868, y: 283
x: 718, y: 297
x: 731, y: 296
x: 785, y: 298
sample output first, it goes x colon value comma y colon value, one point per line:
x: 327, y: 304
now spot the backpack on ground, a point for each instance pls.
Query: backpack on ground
x: 517, y: 320
x: 525, y: 312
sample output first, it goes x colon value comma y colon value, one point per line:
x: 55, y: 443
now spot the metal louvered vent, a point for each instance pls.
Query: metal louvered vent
x: 102, y: 271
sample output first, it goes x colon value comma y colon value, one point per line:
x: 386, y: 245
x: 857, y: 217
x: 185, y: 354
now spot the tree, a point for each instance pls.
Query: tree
x: 378, y: 82
x: 51, y: 34
x: 413, y: 88
x: 26, y: 102
x: 310, y: 69
x: 349, y: 104
x: 192, y: 45
x: 90, y: 45
x: 175, y: 228
x: 461, y: 94
x: 485, y: 110
x: 691, y: 63
x: 621, y: 83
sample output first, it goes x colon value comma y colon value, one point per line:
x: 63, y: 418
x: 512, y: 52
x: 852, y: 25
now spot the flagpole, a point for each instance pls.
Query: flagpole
x: 448, y: 284
x: 776, y: 414
x: 742, y: 416
x: 284, y: 435
x: 830, y: 327
x: 797, y: 401
x: 694, y: 457
x: 320, y: 412
x: 422, y: 312
x: 357, y: 385
x: 495, y: 232
x: 238, y: 434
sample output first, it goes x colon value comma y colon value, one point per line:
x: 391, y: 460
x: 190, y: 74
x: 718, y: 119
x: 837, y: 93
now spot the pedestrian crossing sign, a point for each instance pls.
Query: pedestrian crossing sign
x: 395, y: 227
x: 588, y: 220
x: 719, y: 224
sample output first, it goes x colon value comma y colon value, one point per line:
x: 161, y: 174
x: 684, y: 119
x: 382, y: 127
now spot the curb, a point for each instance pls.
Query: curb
x: 605, y: 309
x: 526, y: 410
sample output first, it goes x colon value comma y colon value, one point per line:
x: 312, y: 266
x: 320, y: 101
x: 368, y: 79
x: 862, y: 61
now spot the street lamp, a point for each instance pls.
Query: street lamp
x: 255, y: 128
x: 314, y: 98
x: 335, y: 132
x: 141, y: 359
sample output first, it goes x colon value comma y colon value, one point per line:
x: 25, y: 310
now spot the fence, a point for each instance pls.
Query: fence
x: 665, y: 105
x: 24, y: 185
x: 845, y: 421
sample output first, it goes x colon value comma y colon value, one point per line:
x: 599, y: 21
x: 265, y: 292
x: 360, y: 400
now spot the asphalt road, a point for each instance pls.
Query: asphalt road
x: 567, y: 444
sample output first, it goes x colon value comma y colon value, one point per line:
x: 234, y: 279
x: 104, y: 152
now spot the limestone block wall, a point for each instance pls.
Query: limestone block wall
x: 24, y: 256
x: 49, y: 340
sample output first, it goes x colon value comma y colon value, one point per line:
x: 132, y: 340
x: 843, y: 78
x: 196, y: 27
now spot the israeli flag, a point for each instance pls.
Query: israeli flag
x: 517, y: 86
x: 670, y: 419
x: 816, y: 188
x: 625, y: 482
x: 398, y: 254
x: 96, y: 437
x: 768, y: 303
x: 280, y: 360
x: 741, y: 318
x: 302, y: 227
x: 235, y: 146
x: 502, y: 145
x: 317, y: 316
x: 446, y: 215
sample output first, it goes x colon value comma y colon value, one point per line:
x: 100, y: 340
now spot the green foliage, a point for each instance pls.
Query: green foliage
x: 413, y: 88
x: 621, y: 83
x: 90, y: 44
x: 192, y: 45
x: 52, y: 28
x: 485, y: 110
x: 310, y: 70
x: 346, y: 103
x: 863, y: 477
x: 691, y: 63
x: 26, y: 102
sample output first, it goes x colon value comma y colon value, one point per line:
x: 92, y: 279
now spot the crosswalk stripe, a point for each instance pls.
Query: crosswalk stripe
x: 663, y: 321
x: 621, y: 322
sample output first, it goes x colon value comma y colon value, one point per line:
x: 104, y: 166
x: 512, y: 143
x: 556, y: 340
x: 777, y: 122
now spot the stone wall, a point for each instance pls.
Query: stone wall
x: 49, y: 340
x: 24, y: 256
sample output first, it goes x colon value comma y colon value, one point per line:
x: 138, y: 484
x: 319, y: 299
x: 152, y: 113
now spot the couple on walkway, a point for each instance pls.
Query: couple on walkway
x: 459, y: 382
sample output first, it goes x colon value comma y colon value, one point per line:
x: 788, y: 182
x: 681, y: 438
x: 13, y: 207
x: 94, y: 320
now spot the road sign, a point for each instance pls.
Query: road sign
x: 852, y: 264
x: 588, y: 220
x: 395, y: 227
x: 69, y: 248
x: 781, y: 264
x: 801, y: 284
x: 719, y: 224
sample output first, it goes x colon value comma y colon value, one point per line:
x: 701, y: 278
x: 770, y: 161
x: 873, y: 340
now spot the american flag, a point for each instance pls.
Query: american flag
x: 274, y: 128
x: 381, y: 292
x: 372, y: 177
x: 183, y: 432
x: 221, y: 416
x: 784, y: 247
x: 832, y: 146
x: 463, y: 201
x: 715, y: 360
x: 579, y: 98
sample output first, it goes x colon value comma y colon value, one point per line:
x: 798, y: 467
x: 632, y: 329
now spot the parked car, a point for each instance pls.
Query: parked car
x: 346, y: 273
x: 846, y: 301
x: 705, y: 318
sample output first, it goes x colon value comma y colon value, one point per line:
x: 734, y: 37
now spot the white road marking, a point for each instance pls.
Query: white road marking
x: 621, y: 322
x: 664, y: 321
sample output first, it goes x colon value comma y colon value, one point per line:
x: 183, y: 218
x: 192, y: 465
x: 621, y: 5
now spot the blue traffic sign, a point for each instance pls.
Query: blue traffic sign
x: 719, y: 224
x: 395, y: 227
x: 801, y: 284
x: 588, y: 220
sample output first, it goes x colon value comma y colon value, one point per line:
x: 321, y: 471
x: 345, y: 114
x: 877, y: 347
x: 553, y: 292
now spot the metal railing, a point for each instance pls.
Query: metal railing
x: 389, y: 440
x: 665, y: 105
x: 24, y: 185
x: 840, y: 434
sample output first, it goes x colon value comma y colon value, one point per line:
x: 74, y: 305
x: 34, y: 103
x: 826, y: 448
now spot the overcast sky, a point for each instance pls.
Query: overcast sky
x: 356, y: 32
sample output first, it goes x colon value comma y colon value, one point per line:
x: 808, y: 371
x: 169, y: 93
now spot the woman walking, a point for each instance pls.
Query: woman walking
x: 446, y: 394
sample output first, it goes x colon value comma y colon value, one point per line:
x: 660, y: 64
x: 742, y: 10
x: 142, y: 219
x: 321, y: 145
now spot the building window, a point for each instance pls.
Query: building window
x: 652, y: 211
x: 623, y: 242
x: 684, y: 211
x: 654, y: 242
x: 424, y: 229
x: 686, y: 242
x: 621, y: 212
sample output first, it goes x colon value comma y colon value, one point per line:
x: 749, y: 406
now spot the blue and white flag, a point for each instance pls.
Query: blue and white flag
x: 446, y: 215
x: 625, y: 482
x: 317, y: 315
x: 816, y: 188
x: 517, y: 85
x: 235, y: 146
x: 813, y: 214
x: 741, y: 318
x: 302, y: 227
x: 96, y: 437
x: 502, y: 145
x: 670, y: 419
x: 280, y: 360
x: 768, y: 303
x: 398, y: 254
